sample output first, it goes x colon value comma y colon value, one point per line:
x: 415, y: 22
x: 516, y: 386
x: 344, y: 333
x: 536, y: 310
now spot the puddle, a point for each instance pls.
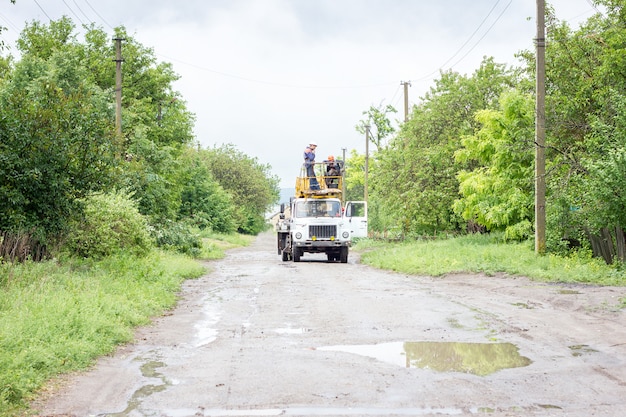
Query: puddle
x: 292, y: 331
x: 569, y: 292
x: 149, y: 370
x: 318, y: 411
x: 205, y: 332
x: 474, y: 358
x: 579, y: 350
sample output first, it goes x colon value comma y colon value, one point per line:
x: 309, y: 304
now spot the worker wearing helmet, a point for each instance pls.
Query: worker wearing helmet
x: 309, y: 163
x: 332, y: 172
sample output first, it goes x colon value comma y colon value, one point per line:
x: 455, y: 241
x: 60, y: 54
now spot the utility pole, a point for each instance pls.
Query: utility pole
x: 343, y: 176
x: 540, y: 133
x: 118, y: 86
x: 367, y: 157
x: 406, y: 85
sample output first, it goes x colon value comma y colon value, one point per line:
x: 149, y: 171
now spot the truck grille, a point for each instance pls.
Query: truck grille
x: 323, y: 231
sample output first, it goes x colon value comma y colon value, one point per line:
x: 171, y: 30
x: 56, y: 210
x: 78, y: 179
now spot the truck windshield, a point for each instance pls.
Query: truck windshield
x: 318, y: 209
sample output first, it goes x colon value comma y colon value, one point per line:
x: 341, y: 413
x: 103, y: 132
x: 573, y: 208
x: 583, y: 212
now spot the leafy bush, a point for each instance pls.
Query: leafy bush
x: 180, y: 237
x: 110, y: 223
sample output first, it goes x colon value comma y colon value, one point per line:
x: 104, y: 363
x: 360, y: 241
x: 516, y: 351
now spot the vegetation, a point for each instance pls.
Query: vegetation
x: 59, y: 316
x: 464, y: 161
x: 116, y: 219
x: 97, y: 230
x: 488, y: 254
x: 59, y: 150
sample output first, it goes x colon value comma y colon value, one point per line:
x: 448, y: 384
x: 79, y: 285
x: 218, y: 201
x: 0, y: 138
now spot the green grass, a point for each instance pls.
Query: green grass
x: 60, y: 316
x: 485, y: 254
x: 214, y: 244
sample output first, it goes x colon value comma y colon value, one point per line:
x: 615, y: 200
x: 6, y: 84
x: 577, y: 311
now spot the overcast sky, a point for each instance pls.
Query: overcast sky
x: 270, y: 76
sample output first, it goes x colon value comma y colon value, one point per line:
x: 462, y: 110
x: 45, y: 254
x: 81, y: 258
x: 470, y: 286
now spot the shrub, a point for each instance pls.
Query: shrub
x: 109, y: 223
x: 179, y: 236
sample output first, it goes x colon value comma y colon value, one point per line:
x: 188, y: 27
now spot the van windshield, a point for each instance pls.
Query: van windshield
x: 314, y: 208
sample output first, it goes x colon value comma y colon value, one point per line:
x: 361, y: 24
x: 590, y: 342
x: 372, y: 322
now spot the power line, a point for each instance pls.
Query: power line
x: 44, y: 12
x: 72, y: 11
x: 81, y: 11
x: 9, y: 23
x: 482, y: 37
x: 428, y: 76
x: 277, y: 84
x: 98, y: 14
x: 472, y: 35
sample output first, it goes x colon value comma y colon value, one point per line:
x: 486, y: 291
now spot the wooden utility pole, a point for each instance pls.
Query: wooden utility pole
x: 540, y: 132
x: 367, y: 157
x: 406, y: 85
x: 118, y: 86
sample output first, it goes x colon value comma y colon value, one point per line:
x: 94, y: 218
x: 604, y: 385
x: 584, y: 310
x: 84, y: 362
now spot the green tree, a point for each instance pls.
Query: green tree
x: 56, y: 144
x: 380, y: 125
x: 253, y: 188
x: 416, y: 176
x: 498, y: 192
x: 355, y: 176
x: 203, y: 200
x: 585, y: 123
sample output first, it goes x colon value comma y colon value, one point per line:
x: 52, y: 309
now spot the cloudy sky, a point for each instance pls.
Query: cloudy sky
x: 270, y: 76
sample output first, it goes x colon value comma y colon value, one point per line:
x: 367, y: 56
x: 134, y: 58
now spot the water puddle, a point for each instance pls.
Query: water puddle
x: 149, y: 370
x: 319, y: 411
x: 579, y: 350
x: 290, y: 330
x: 473, y: 358
x: 205, y: 330
x: 569, y: 292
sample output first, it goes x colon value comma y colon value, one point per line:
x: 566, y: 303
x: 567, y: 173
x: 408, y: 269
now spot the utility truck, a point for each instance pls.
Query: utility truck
x: 318, y: 220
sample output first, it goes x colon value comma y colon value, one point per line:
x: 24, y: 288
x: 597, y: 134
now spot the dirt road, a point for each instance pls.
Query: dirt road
x: 262, y: 337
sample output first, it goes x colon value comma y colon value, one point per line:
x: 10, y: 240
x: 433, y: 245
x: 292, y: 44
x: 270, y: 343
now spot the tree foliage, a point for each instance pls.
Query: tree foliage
x: 377, y: 121
x: 415, y: 177
x: 58, y: 145
x: 56, y: 142
x: 254, y: 190
x: 498, y: 192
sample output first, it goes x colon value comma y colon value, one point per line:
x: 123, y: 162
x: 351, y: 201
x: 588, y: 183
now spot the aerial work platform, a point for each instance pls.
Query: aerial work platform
x: 329, y: 186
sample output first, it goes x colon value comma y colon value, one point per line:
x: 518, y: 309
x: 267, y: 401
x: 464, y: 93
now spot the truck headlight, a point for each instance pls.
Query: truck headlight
x: 345, y: 235
x: 298, y: 235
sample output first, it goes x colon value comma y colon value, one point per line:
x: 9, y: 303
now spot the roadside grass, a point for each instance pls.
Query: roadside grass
x: 486, y: 254
x: 59, y: 316
x: 214, y: 244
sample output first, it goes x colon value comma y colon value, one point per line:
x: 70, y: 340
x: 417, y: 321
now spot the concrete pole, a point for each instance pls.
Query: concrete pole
x: 118, y: 86
x: 406, y: 85
x: 540, y: 133
x: 367, y: 157
x: 343, y: 176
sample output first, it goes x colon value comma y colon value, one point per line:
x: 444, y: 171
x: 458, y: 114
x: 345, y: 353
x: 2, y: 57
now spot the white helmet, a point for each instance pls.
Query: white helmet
x: 312, y: 144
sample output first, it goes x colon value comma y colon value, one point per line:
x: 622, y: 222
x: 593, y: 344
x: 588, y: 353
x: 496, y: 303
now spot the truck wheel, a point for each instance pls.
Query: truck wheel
x: 296, y: 254
x: 285, y: 256
x: 343, y: 256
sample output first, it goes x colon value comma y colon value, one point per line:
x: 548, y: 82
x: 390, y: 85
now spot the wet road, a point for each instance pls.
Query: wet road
x: 262, y: 337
